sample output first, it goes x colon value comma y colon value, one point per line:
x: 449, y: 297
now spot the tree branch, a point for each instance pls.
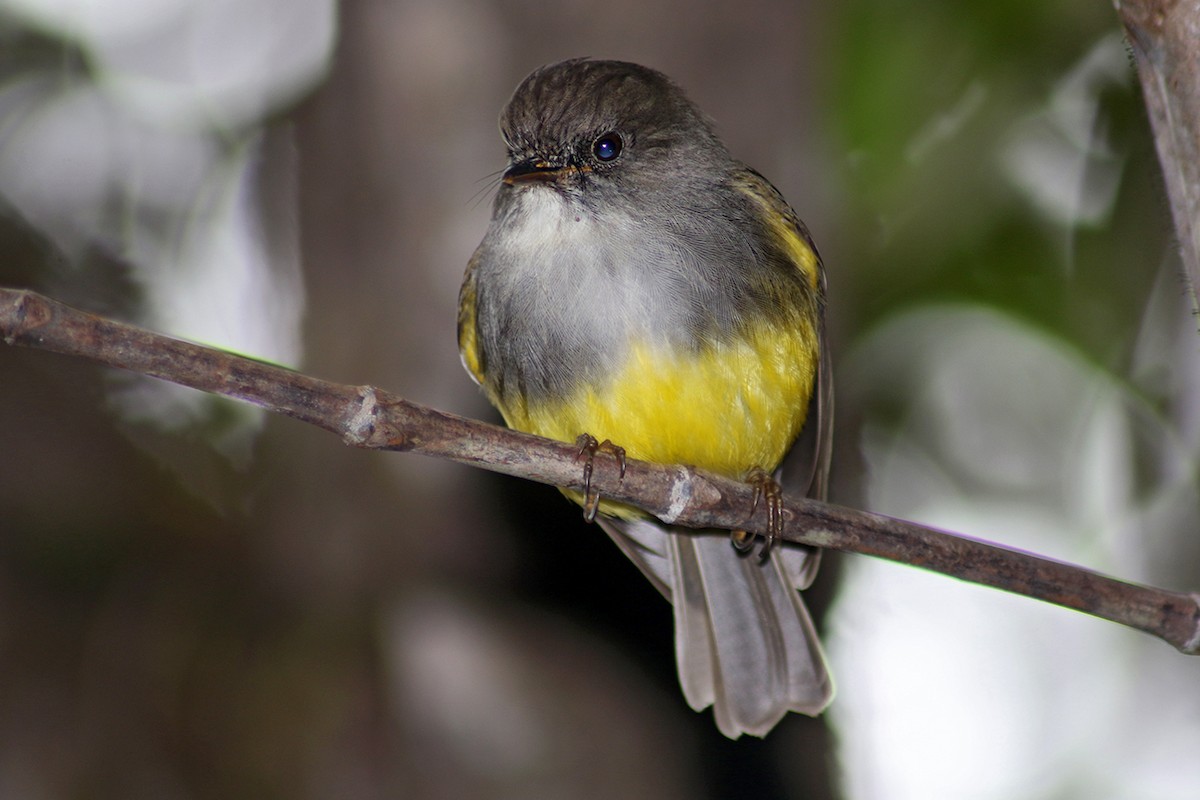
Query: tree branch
x: 1163, y: 35
x: 364, y: 416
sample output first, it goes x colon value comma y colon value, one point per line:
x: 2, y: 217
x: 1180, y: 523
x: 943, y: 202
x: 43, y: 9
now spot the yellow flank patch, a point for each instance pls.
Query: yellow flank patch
x: 468, y: 345
x: 784, y: 225
x: 798, y: 250
x: 728, y: 408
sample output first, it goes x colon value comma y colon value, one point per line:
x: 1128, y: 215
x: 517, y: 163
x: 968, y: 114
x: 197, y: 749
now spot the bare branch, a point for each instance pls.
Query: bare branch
x: 364, y: 416
x: 1163, y: 35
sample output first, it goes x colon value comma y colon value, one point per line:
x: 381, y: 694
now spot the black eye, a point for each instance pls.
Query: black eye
x: 608, y: 147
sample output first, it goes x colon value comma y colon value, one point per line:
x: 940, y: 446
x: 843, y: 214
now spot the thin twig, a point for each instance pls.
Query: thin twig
x: 364, y: 416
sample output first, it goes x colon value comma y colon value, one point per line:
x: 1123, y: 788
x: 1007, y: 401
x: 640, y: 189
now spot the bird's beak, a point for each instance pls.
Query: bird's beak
x: 536, y: 170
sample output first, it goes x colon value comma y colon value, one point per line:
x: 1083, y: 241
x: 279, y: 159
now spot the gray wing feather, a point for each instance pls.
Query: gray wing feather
x: 645, y: 543
x: 805, y: 469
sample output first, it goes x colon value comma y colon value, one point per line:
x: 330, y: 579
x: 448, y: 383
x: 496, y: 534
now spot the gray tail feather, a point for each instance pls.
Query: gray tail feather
x: 744, y: 641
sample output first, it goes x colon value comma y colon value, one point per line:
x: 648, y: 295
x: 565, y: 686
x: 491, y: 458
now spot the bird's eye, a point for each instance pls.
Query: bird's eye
x: 607, y: 147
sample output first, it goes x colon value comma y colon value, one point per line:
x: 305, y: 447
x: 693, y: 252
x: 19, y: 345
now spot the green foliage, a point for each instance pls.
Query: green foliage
x: 945, y: 111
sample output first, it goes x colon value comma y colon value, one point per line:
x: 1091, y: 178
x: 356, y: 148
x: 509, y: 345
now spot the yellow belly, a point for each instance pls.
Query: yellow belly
x: 728, y: 408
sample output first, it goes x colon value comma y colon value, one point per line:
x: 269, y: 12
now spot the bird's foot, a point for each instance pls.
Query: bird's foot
x: 768, y: 489
x: 589, y: 446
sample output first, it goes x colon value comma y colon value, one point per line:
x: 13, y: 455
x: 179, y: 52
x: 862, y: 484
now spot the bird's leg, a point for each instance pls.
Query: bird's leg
x: 765, y: 488
x: 588, y: 445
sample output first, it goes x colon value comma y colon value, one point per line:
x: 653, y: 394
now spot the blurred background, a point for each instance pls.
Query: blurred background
x: 201, y: 601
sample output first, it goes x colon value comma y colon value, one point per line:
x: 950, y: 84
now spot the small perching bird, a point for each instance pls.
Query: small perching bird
x: 640, y: 286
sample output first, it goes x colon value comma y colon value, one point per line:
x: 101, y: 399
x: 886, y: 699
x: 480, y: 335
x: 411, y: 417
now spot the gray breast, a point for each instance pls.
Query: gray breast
x: 562, y: 291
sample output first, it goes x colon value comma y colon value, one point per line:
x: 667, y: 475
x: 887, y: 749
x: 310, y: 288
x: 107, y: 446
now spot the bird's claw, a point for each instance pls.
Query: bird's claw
x: 765, y: 488
x: 589, y: 445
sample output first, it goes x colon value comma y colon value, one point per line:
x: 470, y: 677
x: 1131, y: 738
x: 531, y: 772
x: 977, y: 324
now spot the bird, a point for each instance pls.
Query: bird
x: 642, y: 292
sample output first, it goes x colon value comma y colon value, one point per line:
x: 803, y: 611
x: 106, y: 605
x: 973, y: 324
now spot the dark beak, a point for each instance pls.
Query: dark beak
x: 543, y: 172
x: 532, y: 170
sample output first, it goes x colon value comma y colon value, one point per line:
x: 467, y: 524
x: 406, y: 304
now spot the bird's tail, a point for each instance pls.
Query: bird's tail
x: 744, y: 641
